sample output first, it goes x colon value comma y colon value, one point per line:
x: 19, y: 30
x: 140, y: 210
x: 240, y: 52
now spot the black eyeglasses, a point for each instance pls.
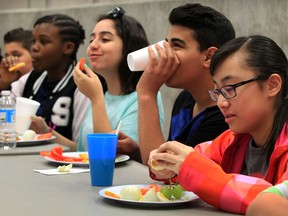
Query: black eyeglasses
x: 116, y: 13
x: 229, y: 91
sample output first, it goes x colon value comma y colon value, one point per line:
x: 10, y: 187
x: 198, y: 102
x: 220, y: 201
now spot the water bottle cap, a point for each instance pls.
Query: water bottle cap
x: 5, y: 92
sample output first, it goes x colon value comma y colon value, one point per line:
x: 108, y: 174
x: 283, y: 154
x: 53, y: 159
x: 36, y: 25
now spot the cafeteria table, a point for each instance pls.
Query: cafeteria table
x: 25, y: 192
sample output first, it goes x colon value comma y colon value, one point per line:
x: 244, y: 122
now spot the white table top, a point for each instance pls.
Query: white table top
x: 25, y: 192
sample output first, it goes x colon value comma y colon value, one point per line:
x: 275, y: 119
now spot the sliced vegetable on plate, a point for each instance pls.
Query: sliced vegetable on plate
x: 57, y: 154
x: 76, y: 158
x: 151, y: 193
x: 44, y: 136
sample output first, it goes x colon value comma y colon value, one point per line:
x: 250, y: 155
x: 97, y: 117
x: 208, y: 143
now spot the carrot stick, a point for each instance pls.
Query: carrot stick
x: 111, y: 194
x: 17, y: 66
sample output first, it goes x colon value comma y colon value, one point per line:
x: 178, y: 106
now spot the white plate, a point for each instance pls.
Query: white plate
x: 119, y: 158
x: 186, y: 197
x: 23, y: 142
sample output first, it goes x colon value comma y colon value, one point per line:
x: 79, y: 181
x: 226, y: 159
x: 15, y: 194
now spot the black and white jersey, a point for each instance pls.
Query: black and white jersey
x: 62, y: 104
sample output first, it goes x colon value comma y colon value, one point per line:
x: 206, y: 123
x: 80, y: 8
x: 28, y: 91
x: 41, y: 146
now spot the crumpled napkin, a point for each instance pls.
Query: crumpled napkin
x: 56, y: 172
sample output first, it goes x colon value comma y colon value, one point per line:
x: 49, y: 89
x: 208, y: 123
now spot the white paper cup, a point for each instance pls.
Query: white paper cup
x: 25, y: 108
x: 139, y: 59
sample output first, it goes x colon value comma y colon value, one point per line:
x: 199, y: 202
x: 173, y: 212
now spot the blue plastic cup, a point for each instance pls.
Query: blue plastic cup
x: 102, y: 153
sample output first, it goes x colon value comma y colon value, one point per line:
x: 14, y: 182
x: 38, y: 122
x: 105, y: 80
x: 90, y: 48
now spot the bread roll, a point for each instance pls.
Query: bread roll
x: 156, y: 167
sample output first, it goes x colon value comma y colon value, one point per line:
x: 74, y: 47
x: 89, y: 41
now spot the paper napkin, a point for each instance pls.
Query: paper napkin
x: 56, y: 172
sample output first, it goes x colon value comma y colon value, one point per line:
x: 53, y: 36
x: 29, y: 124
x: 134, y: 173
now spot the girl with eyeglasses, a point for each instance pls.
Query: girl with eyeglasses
x: 250, y: 77
x: 113, y: 37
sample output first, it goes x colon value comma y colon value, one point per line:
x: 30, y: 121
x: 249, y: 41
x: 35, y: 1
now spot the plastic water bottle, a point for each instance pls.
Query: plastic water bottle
x: 7, y: 121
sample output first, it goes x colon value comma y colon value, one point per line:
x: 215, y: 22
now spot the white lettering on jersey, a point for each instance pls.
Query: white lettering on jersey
x: 61, y: 111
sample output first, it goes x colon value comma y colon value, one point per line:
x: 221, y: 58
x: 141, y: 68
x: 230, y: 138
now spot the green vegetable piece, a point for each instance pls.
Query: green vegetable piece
x: 177, y: 191
x: 166, y: 191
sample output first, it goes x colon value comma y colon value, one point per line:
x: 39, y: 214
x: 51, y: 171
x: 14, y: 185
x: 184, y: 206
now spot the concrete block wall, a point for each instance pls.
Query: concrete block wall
x: 248, y: 17
x: 44, y: 4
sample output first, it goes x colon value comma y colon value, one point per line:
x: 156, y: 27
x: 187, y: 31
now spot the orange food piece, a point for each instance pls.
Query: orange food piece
x: 157, y: 187
x: 44, y: 136
x: 111, y: 194
x: 57, y: 154
x: 84, y: 157
x: 72, y: 159
x: 17, y: 66
x: 45, y: 153
x: 82, y: 62
x: 68, y: 159
x: 144, y: 190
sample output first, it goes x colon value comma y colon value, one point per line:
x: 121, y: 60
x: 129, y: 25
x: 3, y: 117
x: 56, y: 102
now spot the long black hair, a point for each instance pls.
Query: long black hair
x: 134, y: 37
x: 264, y: 56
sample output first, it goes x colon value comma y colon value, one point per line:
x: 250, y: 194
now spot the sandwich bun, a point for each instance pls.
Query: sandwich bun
x: 155, y: 166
